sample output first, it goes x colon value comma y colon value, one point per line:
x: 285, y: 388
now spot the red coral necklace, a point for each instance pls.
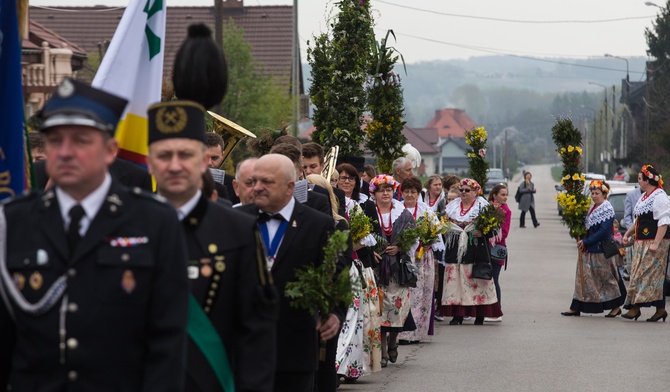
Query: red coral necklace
x: 388, y: 230
x: 646, y: 195
x: 416, y: 206
x: 432, y: 203
x: 465, y: 212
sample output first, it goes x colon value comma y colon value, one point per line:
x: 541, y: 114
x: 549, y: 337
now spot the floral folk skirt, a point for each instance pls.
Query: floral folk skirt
x: 395, y: 306
x: 421, y: 297
x: 464, y: 296
x: 597, y: 284
x: 647, y: 275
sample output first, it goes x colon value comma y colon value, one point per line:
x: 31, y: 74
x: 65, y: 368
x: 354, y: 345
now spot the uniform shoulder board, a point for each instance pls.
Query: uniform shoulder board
x: 27, y: 195
x: 141, y: 193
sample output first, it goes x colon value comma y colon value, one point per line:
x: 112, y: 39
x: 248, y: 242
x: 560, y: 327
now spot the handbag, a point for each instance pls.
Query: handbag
x: 610, y: 248
x: 482, y: 271
x: 499, y: 253
x: 409, y: 273
x: 517, y: 196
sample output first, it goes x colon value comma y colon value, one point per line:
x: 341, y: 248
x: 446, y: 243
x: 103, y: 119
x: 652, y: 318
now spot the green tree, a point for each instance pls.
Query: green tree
x: 339, y: 64
x: 386, y: 104
x: 656, y: 144
x: 254, y: 99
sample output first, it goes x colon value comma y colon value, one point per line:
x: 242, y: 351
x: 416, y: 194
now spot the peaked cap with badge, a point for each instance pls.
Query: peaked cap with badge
x: 176, y: 119
x: 76, y: 103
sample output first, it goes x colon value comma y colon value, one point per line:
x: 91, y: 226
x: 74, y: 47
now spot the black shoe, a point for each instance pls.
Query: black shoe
x: 570, y: 313
x: 611, y: 315
x: 536, y: 224
x: 457, y: 320
x: 393, y: 357
x: 655, y: 318
x: 522, y: 227
x: 629, y: 316
x: 479, y: 321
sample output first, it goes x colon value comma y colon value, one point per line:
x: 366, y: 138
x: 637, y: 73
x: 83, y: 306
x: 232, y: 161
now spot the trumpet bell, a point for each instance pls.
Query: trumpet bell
x: 329, y: 162
x: 231, y: 133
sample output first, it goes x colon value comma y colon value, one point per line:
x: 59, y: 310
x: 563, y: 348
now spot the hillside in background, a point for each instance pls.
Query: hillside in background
x: 501, y: 92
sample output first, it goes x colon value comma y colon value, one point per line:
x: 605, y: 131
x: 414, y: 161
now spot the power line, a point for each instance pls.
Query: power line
x: 74, y: 9
x: 503, y: 53
x: 517, y: 20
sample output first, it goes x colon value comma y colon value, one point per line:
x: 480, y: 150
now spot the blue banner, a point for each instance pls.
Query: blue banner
x: 12, y: 140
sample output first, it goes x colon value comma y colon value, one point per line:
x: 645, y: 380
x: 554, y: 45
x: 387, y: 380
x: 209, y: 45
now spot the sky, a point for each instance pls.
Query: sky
x: 458, y: 29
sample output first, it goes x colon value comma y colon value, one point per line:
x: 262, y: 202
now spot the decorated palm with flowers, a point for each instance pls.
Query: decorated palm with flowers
x: 490, y: 219
x: 430, y: 228
x: 476, y: 154
x: 407, y: 238
x: 575, y: 204
x: 360, y: 225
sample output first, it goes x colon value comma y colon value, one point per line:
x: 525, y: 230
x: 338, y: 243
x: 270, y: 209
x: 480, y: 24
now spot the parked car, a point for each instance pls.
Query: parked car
x: 495, y: 177
x: 589, y: 177
x: 617, y: 197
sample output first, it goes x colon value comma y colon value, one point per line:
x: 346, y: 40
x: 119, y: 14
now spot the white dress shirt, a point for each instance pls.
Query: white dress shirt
x: 91, y: 204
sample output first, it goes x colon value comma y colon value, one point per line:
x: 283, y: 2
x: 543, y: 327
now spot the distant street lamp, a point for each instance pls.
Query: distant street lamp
x: 586, y: 137
x: 649, y: 3
x: 621, y: 141
x: 595, y: 131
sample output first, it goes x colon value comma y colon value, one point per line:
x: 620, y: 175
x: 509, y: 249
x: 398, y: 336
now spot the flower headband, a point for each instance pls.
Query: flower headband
x: 597, y: 184
x: 474, y: 185
x: 382, y: 179
x: 656, y: 177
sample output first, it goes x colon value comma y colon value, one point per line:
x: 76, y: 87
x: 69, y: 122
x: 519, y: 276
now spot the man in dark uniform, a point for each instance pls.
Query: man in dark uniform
x: 295, y: 236
x: 230, y: 281
x: 94, y: 292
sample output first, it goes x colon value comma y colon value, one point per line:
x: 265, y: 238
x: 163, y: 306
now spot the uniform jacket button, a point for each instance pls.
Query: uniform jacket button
x: 72, y: 343
x: 72, y: 307
x: 71, y: 272
x: 72, y: 375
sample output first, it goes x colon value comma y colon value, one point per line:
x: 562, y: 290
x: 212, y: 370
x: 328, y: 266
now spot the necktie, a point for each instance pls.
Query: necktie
x: 264, y: 217
x: 73, y: 237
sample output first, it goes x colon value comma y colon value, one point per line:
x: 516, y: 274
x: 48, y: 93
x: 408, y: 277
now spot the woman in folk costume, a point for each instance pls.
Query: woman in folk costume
x: 421, y: 296
x: 464, y: 295
x: 597, y: 283
x: 389, y: 218
x: 650, y: 239
x: 435, y: 197
x: 359, y: 344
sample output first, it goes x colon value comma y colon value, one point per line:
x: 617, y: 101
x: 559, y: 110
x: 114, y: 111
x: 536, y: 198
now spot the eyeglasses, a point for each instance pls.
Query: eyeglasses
x: 347, y: 179
x: 386, y: 190
x: 463, y: 190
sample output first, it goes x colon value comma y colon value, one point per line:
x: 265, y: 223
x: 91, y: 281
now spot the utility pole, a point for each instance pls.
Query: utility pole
x: 295, y: 74
x: 218, y: 33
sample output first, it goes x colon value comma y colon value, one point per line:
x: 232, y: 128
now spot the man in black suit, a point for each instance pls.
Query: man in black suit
x: 225, y: 257
x: 295, y: 236
x: 214, y: 143
x: 317, y: 197
x: 94, y: 292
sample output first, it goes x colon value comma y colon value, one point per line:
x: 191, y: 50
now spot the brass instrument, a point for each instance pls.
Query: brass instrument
x: 231, y: 133
x: 329, y: 162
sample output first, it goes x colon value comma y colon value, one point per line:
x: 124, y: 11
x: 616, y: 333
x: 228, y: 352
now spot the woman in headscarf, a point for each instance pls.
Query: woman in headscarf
x: 463, y: 295
x: 527, y: 200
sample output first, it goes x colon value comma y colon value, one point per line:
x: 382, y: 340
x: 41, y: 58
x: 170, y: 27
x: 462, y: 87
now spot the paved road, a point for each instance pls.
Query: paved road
x: 534, y: 348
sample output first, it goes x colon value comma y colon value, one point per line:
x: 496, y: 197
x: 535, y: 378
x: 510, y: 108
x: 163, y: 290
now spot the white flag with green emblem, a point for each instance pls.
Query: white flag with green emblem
x: 133, y: 69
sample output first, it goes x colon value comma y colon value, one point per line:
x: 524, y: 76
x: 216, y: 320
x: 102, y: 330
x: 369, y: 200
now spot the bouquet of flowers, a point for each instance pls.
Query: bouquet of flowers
x: 382, y: 244
x: 360, y: 225
x: 476, y: 154
x: 430, y: 229
x: 489, y: 219
x: 319, y: 287
x: 406, y: 238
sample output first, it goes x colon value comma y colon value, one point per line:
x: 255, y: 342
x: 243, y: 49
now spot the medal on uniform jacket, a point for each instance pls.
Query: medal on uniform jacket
x: 19, y: 280
x: 128, y: 281
x: 36, y: 280
x: 193, y: 272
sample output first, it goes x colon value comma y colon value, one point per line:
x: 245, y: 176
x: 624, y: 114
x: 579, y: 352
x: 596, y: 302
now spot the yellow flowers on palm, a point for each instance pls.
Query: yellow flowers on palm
x: 579, y: 150
x: 571, y: 148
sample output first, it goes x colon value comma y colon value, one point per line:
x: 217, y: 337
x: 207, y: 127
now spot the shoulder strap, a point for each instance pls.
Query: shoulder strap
x: 202, y: 332
x: 3, y: 260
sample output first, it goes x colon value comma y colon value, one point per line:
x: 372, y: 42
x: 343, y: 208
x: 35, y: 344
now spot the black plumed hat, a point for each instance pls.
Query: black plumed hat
x: 200, y: 72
